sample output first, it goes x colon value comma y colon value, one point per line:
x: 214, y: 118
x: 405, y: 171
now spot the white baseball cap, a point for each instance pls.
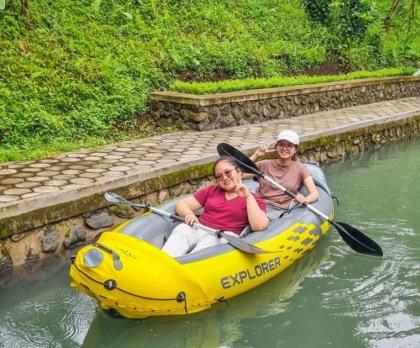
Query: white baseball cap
x: 290, y: 136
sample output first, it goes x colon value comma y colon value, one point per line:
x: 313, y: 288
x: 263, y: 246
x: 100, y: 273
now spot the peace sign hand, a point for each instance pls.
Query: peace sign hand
x: 261, y: 151
x: 241, y: 189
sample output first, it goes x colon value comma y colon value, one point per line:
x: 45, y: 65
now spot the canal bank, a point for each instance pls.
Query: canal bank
x: 54, y: 204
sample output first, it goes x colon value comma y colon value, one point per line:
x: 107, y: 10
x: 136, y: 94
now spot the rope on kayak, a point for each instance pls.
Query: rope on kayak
x: 181, y: 297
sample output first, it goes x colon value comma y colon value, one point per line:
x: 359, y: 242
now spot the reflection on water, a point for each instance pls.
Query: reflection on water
x: 219, y: 326
x: 331, y: 297
x: 40, y: 310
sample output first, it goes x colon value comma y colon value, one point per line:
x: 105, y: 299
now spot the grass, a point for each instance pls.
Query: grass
x: 39, y: 149
x: 247, y: 84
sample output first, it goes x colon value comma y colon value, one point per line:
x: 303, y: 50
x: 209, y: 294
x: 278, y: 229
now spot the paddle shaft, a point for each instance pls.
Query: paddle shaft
x: 179, y: 218
x: 116, y: 199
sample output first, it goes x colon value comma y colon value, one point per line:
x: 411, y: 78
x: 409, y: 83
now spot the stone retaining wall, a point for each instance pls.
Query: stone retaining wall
x: 57, y: 237
x: 207, y: 112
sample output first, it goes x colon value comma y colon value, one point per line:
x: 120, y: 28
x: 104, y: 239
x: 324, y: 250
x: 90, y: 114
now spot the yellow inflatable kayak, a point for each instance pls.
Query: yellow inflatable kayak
x: 128, y: 274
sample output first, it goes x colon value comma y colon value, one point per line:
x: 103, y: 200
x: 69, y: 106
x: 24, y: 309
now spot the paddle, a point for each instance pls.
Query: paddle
x: 232, y: 240
x: 353, y: 237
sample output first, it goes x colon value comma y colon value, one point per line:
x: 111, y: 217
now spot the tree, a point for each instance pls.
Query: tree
x: 24, y: 6
x: 395, y: 6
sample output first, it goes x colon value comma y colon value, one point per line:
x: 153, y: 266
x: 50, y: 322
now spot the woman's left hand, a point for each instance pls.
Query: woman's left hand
x: 301, y: 199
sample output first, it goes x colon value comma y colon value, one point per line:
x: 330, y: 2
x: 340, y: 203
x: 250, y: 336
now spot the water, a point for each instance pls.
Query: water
x: 332, y: 297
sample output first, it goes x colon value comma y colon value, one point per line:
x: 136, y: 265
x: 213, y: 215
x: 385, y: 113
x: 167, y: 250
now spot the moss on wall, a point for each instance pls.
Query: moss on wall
x: 4, y: 232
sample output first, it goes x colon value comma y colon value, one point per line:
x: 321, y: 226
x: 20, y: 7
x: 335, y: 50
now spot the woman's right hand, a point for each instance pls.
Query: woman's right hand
x: 190, y: 218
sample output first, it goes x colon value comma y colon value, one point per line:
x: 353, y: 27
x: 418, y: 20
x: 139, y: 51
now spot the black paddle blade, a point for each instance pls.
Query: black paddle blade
x: 243, y: 161
x: 357, y: 240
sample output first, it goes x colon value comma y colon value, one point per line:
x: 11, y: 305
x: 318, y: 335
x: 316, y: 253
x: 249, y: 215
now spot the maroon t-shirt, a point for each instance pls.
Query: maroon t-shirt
x: 222, y: 214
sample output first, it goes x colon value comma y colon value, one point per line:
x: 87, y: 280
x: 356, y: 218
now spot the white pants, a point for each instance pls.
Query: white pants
x: 185, y: 237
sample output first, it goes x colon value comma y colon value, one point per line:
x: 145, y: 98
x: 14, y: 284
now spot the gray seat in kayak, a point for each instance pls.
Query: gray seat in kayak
x: 154, y: 229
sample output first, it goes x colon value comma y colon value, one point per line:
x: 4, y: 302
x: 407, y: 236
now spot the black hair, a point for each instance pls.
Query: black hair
x: 228, y: 159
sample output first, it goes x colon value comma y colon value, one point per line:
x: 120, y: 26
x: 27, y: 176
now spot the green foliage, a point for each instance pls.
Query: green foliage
x: 353, y: 19
x: 247, y: 84
x: 346, y: 20
x: 317, y: 10
x: 356, y: 36
x: 70, y: 74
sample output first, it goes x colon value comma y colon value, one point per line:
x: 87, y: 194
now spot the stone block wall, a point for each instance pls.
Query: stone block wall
x: 208, y: 112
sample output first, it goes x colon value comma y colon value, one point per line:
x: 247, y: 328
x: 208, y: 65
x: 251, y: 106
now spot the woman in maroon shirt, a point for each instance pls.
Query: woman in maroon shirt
x: 228, y: 206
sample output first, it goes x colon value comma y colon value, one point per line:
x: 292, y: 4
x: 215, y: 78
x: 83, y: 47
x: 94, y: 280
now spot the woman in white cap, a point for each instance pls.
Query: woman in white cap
x: 287, y: 170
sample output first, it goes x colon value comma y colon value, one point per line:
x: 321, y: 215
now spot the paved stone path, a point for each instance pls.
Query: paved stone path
x: 33, y: 184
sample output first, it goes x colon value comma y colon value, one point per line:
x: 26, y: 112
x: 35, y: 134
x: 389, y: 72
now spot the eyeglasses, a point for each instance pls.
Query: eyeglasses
x: 285, y: 144
x: 227, y: 172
